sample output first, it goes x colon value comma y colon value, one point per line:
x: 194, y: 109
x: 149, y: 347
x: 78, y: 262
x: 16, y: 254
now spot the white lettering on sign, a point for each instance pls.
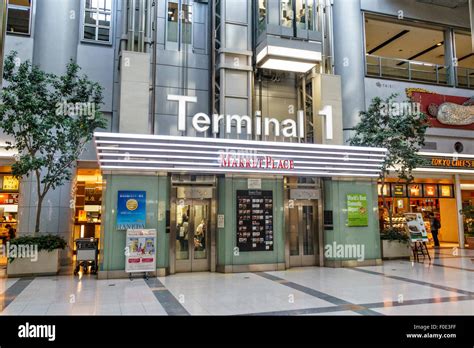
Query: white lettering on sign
x: 287, y: 128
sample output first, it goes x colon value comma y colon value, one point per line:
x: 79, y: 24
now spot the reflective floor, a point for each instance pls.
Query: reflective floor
x: 443, y: 287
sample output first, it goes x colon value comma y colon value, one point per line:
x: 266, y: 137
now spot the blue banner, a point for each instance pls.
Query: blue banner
x: 131, y: 210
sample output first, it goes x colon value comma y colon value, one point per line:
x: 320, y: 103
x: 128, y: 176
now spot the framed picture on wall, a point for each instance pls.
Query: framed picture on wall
x: 415, y: 190
x: 430, y: 190
x: 446, y: 191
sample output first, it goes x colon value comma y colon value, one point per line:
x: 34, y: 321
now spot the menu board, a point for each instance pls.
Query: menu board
x: 254, y: 220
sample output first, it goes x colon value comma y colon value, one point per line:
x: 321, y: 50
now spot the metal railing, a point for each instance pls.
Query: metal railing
x: 403, y: 69
x: 465, y: 77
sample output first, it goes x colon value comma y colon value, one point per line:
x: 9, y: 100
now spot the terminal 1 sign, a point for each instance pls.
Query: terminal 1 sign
x: 287, y: 128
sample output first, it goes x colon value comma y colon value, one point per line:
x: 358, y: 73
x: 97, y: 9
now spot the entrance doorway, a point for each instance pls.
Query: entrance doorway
x: 302, y: 233
x: 192, y: 235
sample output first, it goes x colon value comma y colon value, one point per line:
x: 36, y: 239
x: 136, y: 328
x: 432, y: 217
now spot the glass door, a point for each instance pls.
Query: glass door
x: 192, y: 235
x: 302, y: 227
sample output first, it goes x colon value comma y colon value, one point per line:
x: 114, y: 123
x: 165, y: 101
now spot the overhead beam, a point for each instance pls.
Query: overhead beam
x: 389, y: 41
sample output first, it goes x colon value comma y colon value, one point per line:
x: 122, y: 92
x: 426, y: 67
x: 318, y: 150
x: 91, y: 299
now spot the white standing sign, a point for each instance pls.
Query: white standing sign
x: 140, y: 251
x: 415, y: 226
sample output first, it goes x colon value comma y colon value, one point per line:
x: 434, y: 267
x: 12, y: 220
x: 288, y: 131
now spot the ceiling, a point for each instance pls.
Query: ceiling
x: 405, y: 41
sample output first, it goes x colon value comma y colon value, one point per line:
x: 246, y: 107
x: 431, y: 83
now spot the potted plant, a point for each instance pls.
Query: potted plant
x: 468, y: 213
x: 395, y: 244
x: 38, y: 255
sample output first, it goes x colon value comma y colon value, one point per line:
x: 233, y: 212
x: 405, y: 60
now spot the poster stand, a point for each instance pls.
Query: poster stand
x: 416, y: 229
x: 140, y: 252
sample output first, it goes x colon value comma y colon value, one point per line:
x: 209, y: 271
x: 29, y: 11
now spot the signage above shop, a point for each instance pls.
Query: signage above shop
x: 447, y: 163
x: 119, y: 152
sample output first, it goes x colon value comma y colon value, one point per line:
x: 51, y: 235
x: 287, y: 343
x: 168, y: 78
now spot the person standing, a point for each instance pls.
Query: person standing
x: 435, y: 226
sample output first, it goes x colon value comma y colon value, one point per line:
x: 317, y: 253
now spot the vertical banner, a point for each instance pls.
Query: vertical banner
x: 357, y: 214
x: 140, y: 251
x: 131, y: 210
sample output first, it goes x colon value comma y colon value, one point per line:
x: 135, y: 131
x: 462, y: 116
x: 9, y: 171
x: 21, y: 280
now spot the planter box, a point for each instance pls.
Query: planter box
x: 395, y: 249
x: 470, y: 242
x: 47, y: 264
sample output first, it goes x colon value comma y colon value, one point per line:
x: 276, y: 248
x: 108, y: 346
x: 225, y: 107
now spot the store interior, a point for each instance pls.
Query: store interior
x: 88, y: 205
x: 9, y: 193
x: 426, y: 197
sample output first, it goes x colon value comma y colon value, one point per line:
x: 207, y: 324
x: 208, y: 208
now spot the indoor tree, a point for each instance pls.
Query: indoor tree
x: 399, y: 127
x: 50, y: 118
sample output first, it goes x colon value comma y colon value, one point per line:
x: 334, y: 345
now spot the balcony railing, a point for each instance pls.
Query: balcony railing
x: 465, y: 77
x: 403, y: 69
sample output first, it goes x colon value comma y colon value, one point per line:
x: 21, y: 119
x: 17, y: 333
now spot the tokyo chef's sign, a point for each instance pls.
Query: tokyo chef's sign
x: 452, y: 162
x: 288, y: 128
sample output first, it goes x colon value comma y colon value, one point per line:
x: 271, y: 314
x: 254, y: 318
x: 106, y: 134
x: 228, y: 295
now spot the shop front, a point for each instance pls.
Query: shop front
x: 440, y: 190
x: 236, y: 205
x: 9, y: 194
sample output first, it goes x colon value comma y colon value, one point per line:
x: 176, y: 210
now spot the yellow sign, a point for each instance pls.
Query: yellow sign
x: 10, y: 183
x: 82, y: 216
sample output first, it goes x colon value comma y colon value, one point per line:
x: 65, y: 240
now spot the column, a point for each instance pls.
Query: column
x: 349, y: 59
x: 450, y: 59
x: 457, y: 187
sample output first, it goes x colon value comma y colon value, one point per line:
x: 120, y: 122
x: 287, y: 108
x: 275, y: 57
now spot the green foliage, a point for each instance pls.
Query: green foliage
x: 44, y: 242
x: 468, y: 213
x: 403, y: 135
x: 393, y: 234
x: 48, y: 138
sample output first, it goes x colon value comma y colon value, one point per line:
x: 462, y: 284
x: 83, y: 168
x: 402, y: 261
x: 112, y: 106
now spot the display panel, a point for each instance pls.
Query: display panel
x: 254, y: 220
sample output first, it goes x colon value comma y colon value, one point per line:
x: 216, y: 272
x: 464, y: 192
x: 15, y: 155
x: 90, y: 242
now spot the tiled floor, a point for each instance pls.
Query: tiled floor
x: 443, y: 287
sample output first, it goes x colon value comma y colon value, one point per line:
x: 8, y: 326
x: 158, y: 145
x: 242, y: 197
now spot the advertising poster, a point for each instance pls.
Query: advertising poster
x: 255, y: 220
x: 357, y: 213
x: 140, y: 251
x: 131, y: 210
x: 416, y: 227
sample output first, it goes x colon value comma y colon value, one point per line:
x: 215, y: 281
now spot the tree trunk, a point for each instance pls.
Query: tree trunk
x: 38, y: 214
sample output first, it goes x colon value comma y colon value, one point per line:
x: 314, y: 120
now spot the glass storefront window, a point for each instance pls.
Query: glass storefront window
x: 286, y: 13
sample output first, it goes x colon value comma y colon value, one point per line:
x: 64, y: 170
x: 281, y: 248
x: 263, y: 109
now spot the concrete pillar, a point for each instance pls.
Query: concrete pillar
x: 450, y: 56
x: 349, y: 59
x: 457, y: 187
x: 56, y: 34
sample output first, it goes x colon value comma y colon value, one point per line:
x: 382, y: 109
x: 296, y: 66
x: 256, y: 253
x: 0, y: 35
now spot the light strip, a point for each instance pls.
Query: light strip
x: 235, y: 148
x: 219, y: 165
x: 442, y: 170
x: 103, y: 154
x: 435, y: 154
x: 237, y: 141
x: 227, y: 170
